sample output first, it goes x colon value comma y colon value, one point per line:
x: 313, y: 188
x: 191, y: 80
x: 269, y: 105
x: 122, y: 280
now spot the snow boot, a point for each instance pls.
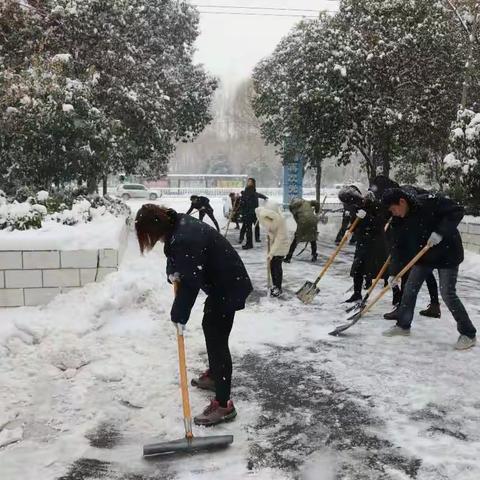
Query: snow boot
x: 204, y: 381
x: 287, y: 259
x: 247, y: 246
x: 215, y: 414
x: 356, y: 297
x: 275, y: 292
x: 432, y: 311
x: 314, y: 257
x: 393, y: 315
x: 464, y: 342
x: 396, y: 331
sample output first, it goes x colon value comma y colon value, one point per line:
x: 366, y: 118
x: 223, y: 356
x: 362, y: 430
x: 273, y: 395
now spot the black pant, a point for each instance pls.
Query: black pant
x: 294, y: 244
x: 217, y: 326
x: 211, y: 216
x: 276, y: 271
x: 357, y: 283
x: 448, y: 288
x: 246, y: 231
x: 246, y: 225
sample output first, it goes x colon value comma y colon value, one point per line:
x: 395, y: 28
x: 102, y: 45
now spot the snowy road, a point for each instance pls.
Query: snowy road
x: 90, y: 378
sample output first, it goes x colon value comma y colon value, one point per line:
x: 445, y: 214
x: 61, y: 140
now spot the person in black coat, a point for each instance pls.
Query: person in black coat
x: 202, y: 204
x: 418, y: 221
x: 248, y: 204
x: 199, y: 258
x: 378, y: 187
x: 348, y: 217
x: 371, y: 246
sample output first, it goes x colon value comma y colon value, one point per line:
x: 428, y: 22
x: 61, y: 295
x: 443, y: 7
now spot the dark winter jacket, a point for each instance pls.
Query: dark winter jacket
x: 371, y: 244
x: 248, y: 204
x: 204, y: 260
x: 201, y: 204
x: 427, y: 213
x: 304, y: 212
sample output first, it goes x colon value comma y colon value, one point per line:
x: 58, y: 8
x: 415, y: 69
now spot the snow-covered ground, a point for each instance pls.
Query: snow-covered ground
x: 88, y: 379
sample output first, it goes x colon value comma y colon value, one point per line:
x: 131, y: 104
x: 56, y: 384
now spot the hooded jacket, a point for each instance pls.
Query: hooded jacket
x: 273, y: 221
x: 304, y: 212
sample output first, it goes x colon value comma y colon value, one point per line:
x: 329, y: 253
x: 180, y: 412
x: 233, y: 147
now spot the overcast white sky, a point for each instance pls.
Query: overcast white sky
x: 231, y: 45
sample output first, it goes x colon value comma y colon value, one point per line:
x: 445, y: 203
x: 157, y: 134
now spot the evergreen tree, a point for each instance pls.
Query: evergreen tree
x: 111, y: 86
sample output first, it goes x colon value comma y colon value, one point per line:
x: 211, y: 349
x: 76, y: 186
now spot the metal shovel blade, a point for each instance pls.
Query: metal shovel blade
x: 357, y: 306
x: 341, y: 328
x: 188, y: 445
x: 308, y: 292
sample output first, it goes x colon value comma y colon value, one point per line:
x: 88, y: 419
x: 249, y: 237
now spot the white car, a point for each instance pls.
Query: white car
x: 135, y: 190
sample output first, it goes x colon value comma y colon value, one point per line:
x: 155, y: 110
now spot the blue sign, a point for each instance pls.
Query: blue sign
x: 293, y: 180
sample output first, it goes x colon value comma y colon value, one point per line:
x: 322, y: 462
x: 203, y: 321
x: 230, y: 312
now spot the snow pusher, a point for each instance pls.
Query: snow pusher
x: 307, y: 293
x: 189, y: 444
x: 353, y: 319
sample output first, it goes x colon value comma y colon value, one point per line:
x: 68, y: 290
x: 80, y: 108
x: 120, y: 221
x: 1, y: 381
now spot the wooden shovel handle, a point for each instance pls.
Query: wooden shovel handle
x: 182, y: 364
x: 337, y: 250
x: 380, y: 275
x: 399, y: 276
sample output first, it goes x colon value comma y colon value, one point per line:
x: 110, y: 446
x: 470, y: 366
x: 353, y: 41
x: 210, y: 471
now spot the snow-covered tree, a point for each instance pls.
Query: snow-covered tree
x: 294, y: 98
x: 381, y: 78
x: 115, y: 79
x: 462, y: 168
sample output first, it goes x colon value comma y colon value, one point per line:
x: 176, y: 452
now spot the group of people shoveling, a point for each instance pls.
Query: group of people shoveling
x: 403, y: 235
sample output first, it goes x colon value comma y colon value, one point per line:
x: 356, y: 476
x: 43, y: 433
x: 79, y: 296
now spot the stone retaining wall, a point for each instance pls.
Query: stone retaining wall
x: 34, y: 277
x: 471, y: 236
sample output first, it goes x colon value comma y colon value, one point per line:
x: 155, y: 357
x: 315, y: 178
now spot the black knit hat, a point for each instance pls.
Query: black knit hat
x: 350, y: 195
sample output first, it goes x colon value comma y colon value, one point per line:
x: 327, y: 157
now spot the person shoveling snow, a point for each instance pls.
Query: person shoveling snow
x: 199, y: 258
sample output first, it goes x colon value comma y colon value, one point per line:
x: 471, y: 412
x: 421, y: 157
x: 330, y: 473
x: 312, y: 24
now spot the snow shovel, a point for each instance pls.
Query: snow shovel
x: 308, y: 292
x: 362, y: 303
x: 189, y: 444
x: 358, y: 315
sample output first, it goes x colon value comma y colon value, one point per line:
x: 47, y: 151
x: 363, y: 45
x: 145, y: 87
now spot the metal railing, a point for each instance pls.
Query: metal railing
x: 308, y: 192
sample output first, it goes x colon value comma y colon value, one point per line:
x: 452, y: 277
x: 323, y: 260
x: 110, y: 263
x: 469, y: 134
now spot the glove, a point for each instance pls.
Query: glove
x: 361, y: 214
x: 179, y: 327
x: 435, y: 239
x: 393, y: 282
x: 370, y: 196
x: 174, y: 277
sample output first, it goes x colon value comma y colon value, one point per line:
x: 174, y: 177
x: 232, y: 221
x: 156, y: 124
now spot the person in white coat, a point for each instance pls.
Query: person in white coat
x: 273, y: 221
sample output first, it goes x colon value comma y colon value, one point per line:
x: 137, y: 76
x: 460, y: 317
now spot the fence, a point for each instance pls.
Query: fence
x: 308, y: 192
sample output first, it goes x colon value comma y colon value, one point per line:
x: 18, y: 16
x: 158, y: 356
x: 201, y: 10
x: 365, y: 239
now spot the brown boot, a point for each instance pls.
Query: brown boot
x: 204, y: 381
x: 432, y: 311
x: 393, y: 315
x: 215, y: 414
